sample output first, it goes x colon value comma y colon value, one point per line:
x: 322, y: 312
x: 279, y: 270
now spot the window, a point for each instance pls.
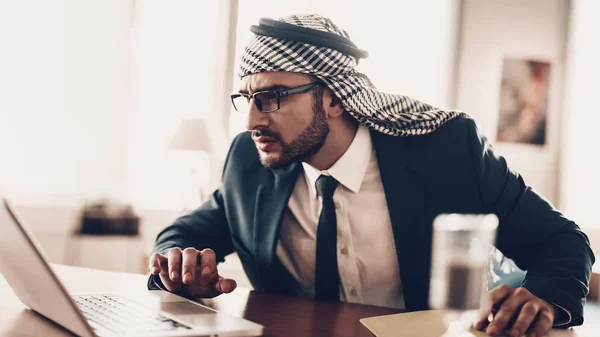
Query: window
x: 64, y: 99
x: 92, y: 91
x: 172, y: 78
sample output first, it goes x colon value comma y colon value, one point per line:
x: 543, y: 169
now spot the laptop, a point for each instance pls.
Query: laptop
x: 147, y: 313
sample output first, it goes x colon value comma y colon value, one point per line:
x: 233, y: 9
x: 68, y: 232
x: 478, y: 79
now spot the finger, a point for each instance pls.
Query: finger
x: 164, y: 276
x: 154, y: 263
x: 526, y: 316
x: 482, y: 325
x: 225, y: 285
x: 164, y: 267
x: 174, y: 264
x: 208, y: 266
x: 493, y: 298
x: 509, y: 308
x: 542, y: 324
x: 190, y: 260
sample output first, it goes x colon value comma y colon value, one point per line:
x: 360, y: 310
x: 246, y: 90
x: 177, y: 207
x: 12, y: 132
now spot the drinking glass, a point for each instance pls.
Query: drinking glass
x: 461, y: 245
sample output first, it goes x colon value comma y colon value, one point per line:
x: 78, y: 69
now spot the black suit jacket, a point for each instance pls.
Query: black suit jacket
x: 452, y: 170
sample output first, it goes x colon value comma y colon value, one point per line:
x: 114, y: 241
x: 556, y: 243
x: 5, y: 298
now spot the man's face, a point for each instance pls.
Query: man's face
x: 296, y: 131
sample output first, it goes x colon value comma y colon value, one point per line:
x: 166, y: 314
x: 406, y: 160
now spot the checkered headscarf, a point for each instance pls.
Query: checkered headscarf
x: 314, y: 45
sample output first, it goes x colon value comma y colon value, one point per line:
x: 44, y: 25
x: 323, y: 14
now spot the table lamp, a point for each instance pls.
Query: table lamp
x: 193, y: 135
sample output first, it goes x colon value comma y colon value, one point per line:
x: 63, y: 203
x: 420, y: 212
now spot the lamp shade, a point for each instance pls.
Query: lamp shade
x: 191, y: 134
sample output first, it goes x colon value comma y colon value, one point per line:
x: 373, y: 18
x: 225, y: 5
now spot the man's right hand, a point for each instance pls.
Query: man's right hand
x: 190, y: 272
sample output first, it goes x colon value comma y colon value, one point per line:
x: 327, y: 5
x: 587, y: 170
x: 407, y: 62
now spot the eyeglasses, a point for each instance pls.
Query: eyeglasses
x: 268, y: 100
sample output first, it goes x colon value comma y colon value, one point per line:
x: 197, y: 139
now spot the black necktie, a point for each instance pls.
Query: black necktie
x: 327, y: 278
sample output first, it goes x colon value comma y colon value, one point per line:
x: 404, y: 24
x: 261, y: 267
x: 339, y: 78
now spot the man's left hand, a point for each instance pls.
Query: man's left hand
x: 531, y: 315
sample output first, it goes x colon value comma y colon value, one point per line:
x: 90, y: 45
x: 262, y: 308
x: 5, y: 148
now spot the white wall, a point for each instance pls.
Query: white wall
x: 581, y: 155
x: 492, y: 30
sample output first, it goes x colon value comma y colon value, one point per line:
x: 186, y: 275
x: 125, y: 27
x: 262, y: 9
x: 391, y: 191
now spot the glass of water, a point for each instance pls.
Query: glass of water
x: 461, y: 245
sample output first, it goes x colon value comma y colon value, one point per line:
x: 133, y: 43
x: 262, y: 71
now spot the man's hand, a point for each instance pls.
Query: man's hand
x: 531, y: 315
x: 190, y: 272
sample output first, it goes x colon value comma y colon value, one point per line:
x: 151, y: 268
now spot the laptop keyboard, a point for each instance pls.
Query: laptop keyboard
x: 120, y: 316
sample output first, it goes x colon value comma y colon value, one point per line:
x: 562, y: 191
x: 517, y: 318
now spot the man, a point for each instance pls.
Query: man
x: 333, y: 192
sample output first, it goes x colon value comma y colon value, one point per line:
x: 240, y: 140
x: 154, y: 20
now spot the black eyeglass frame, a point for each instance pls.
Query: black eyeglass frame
x: 282, y: 93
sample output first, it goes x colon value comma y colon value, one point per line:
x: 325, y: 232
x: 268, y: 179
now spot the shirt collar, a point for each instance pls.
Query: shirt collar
x: 350, y: 169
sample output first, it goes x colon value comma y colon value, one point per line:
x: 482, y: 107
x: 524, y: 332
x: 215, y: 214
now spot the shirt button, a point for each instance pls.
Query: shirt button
x: 353, y: 292
x: 345, y: 251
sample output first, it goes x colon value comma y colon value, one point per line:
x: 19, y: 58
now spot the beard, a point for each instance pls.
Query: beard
x: 306, y: 144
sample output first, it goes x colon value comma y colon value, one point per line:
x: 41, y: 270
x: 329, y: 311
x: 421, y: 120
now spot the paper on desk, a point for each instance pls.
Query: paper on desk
x: 428, y: 323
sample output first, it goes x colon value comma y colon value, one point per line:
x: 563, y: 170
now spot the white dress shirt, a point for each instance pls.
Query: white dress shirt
x: 367, y: 260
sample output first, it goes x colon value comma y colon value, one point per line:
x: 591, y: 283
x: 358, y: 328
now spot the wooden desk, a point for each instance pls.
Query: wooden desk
x: 281, y: 316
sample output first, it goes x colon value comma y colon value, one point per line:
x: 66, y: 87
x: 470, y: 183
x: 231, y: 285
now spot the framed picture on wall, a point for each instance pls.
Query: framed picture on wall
x: 523, y: 101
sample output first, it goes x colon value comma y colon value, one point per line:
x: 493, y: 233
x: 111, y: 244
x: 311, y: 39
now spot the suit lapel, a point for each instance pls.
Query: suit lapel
x: 271, y: 199
x: 404, y: 194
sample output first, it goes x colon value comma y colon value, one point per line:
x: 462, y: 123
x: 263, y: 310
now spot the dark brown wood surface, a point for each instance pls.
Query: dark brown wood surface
x: 294, y: 316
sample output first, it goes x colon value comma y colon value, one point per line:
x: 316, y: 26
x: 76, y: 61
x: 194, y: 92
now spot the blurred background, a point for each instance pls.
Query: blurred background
x: 115, y: 116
